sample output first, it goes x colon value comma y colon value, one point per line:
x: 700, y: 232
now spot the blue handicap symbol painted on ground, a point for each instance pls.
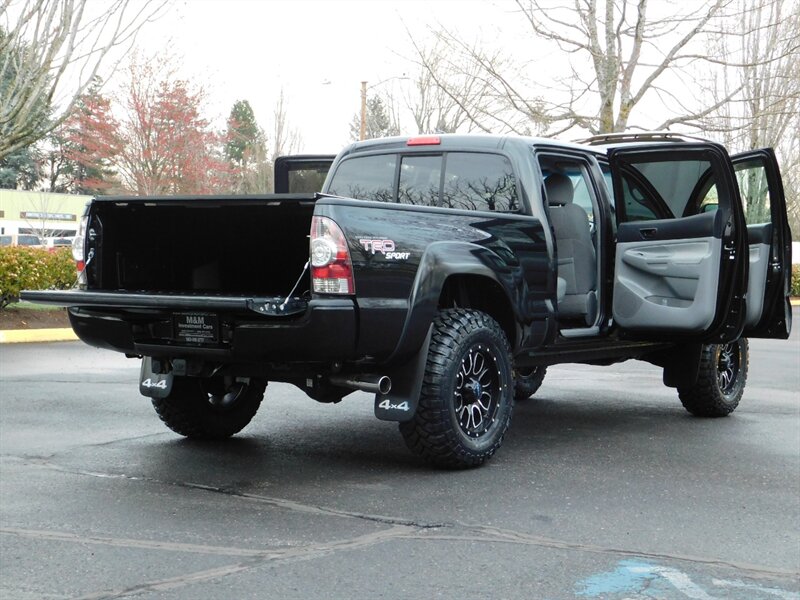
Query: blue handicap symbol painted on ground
x: 639, y: 580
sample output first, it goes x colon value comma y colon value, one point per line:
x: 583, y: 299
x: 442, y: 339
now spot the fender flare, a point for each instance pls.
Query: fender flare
x: 440, y: 261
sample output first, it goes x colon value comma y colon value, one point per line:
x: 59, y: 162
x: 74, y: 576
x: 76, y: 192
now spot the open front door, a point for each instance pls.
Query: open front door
x: 680, y: 273
x: 769, y: 313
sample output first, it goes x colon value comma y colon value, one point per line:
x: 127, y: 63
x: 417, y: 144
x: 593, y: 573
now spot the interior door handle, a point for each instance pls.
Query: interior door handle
x: 648, y: 233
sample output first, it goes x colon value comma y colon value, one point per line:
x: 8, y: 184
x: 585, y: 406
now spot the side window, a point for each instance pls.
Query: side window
x: 665, y: 189
x: 754, y: 190
x: 576, y: 171
x: 638, y: 207
x: 365, y: 178
x: 581, y: 195
x: 419, y: 180
x: 709, y: 202
x: 474, y: 181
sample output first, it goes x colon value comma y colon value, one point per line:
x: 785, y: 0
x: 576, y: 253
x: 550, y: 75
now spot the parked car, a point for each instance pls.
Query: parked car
x: 53, y: 243
x: 21, y: 239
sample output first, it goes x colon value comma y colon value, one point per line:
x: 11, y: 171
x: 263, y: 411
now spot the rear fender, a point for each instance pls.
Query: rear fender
x: 440, y: 261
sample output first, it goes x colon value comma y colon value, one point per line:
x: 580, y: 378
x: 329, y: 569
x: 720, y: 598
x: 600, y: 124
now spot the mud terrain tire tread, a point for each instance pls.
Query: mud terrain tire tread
x: 706, y: 398
x: 186, y: 410
x: 434, y: 433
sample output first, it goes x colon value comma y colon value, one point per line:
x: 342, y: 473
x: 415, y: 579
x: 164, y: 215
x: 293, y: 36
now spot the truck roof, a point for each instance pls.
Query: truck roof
x: 445, y: 141
x: 599, y: 144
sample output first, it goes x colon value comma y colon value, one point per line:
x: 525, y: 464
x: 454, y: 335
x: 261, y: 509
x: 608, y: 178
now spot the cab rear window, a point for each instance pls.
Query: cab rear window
x: 460, y: 180
x: 366, y: 178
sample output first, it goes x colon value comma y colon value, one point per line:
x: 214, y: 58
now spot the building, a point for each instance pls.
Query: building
x: 40, y: 213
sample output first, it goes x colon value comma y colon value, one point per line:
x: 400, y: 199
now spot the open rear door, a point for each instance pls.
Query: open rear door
x: 769, y: 313
x: 680, y: 274
x: 301, y: 173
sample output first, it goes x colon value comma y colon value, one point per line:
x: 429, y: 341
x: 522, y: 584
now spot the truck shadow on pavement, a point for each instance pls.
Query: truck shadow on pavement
x: 295, y: 452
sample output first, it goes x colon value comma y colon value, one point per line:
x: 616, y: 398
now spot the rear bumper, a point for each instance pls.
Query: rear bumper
x: 327, y: 330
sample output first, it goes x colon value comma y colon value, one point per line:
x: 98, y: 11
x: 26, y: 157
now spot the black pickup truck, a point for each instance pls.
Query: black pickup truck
x: 444, y: 274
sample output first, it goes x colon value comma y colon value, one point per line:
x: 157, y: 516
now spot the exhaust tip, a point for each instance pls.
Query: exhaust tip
x: 375, y: 384
x: 384, y: 385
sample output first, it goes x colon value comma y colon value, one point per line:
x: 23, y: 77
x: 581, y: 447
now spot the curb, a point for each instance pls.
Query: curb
x: 25, y: 336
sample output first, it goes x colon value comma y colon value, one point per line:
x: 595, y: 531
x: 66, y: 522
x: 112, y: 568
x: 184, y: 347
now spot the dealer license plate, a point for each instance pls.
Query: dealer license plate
x: 196, y: 328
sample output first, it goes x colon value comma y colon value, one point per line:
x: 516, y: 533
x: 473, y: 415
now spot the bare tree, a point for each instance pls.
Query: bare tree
x: 618, y: 54
x: 285, y: 138
x: 446, y: 91
x: 763, y: 50
x: 50, y: 53
x: 43, y: 213
x: 463, y: 86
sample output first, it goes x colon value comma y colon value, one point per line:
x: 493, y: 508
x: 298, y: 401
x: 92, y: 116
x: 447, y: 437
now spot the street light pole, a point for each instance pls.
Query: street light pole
x: 363, y: 131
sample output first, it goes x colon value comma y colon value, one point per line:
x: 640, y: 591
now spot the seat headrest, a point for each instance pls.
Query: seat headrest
x: 559, y: 189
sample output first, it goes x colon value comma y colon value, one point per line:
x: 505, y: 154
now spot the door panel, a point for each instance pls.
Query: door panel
x: 681, y: 277
x: 769, y: 312
x: 670, y: 283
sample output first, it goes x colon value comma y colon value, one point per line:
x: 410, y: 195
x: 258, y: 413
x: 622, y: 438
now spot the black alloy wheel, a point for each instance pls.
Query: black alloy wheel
x: 477, y: 393
x: 467, y: 393
x: 721, y: 378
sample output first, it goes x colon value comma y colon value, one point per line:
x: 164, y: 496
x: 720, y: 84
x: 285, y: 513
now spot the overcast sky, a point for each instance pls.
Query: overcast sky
x: 318, y: 52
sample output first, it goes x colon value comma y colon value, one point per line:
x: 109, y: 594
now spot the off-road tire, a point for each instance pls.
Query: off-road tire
x: 469, y: 359
x: 720, y: 382
x: 528, y: 381
x: 189, y: 411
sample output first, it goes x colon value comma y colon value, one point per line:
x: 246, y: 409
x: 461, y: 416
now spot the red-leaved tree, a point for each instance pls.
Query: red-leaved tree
x: 81, y: 154
x: 166, y: 146
x: 91, y: 145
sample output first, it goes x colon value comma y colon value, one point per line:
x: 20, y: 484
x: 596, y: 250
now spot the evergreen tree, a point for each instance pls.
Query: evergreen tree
x: 379, y: 122
x: 243, y: 134
x: 21, y: 169
x: 245, y: 150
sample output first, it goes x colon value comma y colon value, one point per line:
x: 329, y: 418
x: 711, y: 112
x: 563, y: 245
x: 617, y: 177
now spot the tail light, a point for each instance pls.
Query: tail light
x: 331, y: 269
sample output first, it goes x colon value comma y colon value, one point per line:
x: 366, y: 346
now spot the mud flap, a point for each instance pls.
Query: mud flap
x: 151, y: 384
x: 400, y: 404
x: 681, y: 364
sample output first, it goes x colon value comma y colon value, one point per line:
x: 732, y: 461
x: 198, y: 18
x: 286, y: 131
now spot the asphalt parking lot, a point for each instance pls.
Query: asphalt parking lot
x: 604, y: 488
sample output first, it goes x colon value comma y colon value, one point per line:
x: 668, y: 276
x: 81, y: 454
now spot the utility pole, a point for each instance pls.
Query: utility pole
x: 363, y: 132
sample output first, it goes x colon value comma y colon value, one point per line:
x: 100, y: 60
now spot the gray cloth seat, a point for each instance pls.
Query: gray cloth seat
x: 577, y: 264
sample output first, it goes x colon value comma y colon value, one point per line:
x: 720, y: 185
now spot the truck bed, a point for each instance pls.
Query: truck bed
x: 210, y: 246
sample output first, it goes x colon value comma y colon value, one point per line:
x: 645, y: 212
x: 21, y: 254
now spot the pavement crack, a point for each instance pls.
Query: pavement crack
x: 455, y: 531
x: 489, y: 534
x: 309, y: 552
x: 283, y: 503
x: 307, y: 508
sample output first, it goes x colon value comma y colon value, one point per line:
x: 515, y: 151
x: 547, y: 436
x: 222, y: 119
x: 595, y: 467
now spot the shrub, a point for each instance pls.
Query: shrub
x: 61, y: 271
x: 795, y: 280
x: 33, y: 269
